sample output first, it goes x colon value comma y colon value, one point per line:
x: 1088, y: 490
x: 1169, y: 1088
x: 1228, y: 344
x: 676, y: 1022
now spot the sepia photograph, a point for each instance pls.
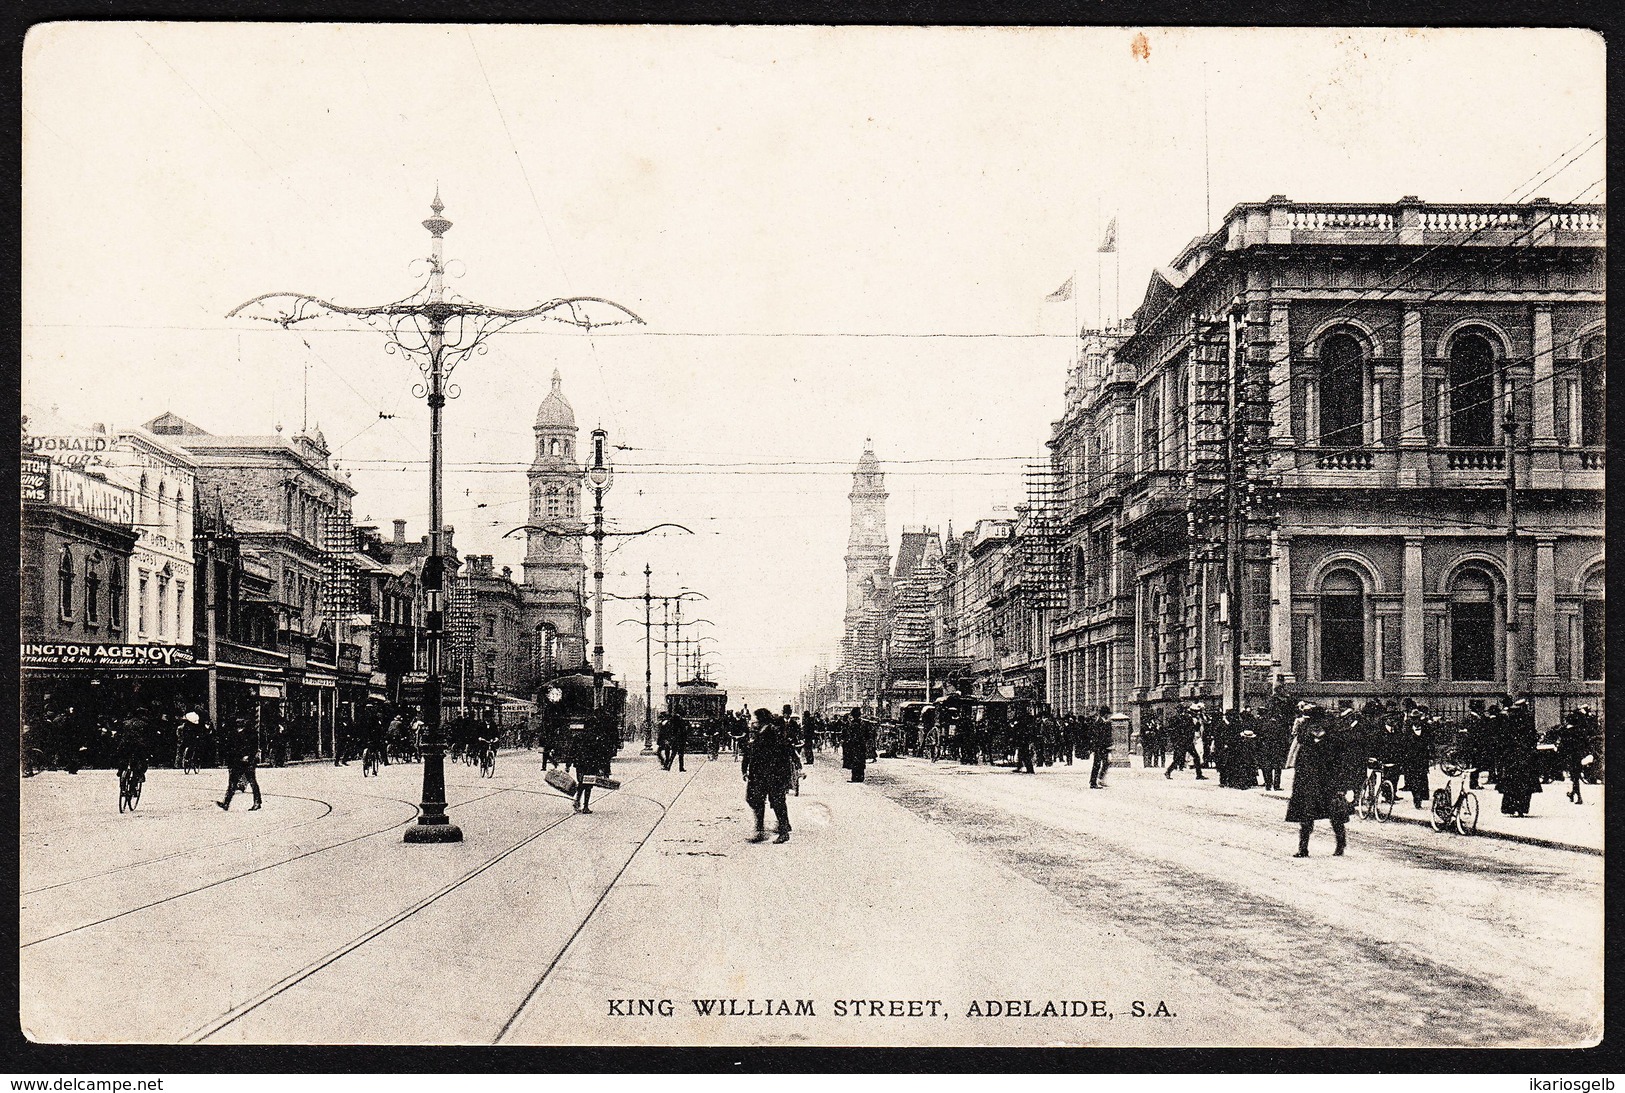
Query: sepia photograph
x: 811, y: 536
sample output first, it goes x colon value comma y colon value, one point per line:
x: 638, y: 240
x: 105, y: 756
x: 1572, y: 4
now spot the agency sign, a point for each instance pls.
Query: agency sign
x: 104, y: 656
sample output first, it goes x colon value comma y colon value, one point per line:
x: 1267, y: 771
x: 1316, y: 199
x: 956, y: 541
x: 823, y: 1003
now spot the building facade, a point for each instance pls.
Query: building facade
x: 289, y: 507
x: 1406, y: 378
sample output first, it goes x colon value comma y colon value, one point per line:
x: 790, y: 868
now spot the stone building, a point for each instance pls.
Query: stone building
x: 554, y: 613
x: 498, y: 660
x: 1385, y: 350
x: 289, y: 507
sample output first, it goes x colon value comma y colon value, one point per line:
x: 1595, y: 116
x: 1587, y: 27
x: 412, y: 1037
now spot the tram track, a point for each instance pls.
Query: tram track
x: 172, y: 897
x: 280, y: 829
x: 315, y: 967
x: 665, y: 810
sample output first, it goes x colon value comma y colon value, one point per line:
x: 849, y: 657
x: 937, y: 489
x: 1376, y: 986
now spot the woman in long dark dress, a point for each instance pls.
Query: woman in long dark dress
x: 1319, y: 780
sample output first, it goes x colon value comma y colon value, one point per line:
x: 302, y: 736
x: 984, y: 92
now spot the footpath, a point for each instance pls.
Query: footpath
x: 1554, y: 821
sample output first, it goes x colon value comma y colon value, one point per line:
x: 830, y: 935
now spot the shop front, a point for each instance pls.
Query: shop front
x: 74, y: 694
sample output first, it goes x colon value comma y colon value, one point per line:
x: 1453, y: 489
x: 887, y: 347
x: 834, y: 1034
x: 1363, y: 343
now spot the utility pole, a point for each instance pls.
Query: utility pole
x: 437, y: 334
x: 1235, y: 518
x: 599, y: 477
x: 648, y: 666
x: 1509, y: 426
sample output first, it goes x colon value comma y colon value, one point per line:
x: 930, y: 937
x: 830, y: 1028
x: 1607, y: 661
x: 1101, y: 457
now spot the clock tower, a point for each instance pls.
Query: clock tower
x: 868, y: 570
x: 554, y: 592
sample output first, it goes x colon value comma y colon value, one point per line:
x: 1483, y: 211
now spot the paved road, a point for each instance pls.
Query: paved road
x: 1413, y: 937
x: 310, y: 921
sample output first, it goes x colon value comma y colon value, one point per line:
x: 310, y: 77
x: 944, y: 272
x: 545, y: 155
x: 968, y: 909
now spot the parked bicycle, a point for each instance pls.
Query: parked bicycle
x: 1458, y: 810
x: 1375, y: 800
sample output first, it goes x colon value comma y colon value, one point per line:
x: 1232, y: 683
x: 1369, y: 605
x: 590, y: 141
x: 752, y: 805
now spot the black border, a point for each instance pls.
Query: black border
x: 24, y: 1058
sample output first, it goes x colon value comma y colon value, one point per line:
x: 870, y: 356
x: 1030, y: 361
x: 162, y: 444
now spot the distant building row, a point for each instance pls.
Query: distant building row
x: 1382, y: 352
x: 167, y: 566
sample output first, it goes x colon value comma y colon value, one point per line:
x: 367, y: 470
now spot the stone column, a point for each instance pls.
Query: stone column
x: 1410, y: 382
x: 1545, y: 607
x: 1281, y: 605
x: 1280, y: 374
x: 1544, y: 401
x: 1411, y: 616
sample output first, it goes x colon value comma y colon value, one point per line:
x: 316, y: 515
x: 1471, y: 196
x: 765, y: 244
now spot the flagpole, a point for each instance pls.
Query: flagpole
x: 1117, y: 276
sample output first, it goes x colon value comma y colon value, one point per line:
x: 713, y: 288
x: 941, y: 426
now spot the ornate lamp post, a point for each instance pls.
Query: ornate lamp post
x: 437, y: 333
x: 599, y: 477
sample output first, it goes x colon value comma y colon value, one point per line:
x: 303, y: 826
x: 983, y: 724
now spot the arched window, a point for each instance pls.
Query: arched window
x: 180, y: 514
x: 553, y: 447
x: 1472, y: 391
x: 1593, y: 392
x: 93, y: 589
x: 64, y: 584
x: 1342, y: 626
x: 570, y: 502
x: 552, y: 500
x: 1472, y: 625
x: 115, y: 596
x: 536, y: 501
x: 141, y: 501
x: 1342, y: 391
x: 161, y: 517
x: 1593, y: 629
x: 569, y: 446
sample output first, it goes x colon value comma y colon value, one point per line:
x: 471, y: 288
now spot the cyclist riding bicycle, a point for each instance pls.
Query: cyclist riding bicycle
x: 131, y: 746
x: 486, y: 746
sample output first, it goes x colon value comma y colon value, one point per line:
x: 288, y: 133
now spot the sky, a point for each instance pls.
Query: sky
x: 833, y: 235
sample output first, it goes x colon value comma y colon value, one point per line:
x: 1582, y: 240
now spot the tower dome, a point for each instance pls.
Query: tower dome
x: 555, y: 411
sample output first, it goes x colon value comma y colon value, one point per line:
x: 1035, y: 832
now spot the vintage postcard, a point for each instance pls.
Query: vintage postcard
x: 770, y: 536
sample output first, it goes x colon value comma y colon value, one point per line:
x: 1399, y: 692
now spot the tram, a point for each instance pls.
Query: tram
x: 703, y: 705
x: 564, y: 704
x: 967, y: 725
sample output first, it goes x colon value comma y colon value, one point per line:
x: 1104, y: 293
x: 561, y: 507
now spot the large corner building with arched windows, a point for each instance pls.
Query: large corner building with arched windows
x: 1408, y: 374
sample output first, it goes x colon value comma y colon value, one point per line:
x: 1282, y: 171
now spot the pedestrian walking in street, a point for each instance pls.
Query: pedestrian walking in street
x: 1181, y: 728
x: 1025, y: 730
x: 242, y: 757
x: 767, y: 768
x: 1520, y: 771
x: 1416, y: 754
x: 1319, y: 790
x: 663, y: 751
x: 1100, y: 747
x: 855, y: 745
x: 1574, y: 747
x: 591, y: 749
x: 679, y: 742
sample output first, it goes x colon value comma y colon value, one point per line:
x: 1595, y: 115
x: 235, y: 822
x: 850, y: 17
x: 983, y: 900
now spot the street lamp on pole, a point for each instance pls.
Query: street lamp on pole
x: 436, y: 333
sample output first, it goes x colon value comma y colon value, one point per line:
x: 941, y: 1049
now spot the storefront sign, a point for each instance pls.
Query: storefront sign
x: 270, y: 690
x: 94, y: 655
x: 36, y: 471
x: 72, y: 451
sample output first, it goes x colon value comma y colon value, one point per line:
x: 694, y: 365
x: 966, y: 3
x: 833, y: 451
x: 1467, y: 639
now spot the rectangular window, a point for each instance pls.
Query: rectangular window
x: 1472, y: 640
x: 1594, y: 635
x: 163, y: 606
x: 115, y: 597
x: 1342, y: 636
x: 180, y: 609
x: 143, y: 619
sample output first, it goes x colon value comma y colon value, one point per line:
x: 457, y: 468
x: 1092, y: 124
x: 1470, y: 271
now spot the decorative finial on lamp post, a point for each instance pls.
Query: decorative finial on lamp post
x: 437, y: 224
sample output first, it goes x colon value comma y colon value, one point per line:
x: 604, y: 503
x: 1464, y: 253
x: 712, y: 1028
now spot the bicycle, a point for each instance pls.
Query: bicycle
x: 1375, y: 800
x: 488, y: 761
x: 130, y: 781
x: 1460, y: 811
x: 369, y: 763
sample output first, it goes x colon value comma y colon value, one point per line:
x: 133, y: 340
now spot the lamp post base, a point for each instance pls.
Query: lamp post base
x: 434, y: 833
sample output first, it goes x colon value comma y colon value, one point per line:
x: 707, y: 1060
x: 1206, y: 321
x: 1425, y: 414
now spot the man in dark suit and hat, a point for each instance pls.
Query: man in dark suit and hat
x: 767, y: 769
